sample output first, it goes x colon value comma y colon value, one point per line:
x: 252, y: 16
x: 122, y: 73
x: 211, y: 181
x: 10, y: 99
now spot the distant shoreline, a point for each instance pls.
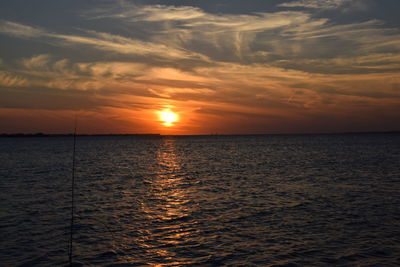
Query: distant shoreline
x: 157, y: 134
x: 68, y: 134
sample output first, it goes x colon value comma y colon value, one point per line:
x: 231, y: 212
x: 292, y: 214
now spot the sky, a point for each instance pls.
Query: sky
x: 220, y: 66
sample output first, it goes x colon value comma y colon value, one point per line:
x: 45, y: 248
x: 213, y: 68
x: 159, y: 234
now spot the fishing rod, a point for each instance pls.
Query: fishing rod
x: 71, y: 230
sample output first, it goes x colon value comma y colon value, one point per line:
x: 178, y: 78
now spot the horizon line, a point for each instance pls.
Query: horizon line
x: 40, y: 134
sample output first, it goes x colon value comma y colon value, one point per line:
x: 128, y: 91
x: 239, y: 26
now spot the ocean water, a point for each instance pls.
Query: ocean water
x: 295, y: 200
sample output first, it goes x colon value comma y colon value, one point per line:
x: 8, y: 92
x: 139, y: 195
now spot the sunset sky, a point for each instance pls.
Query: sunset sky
x: 218, y: 66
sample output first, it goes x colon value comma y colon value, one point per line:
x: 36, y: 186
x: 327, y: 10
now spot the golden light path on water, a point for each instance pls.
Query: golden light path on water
x: 166, y: 210
x: 171, y: 207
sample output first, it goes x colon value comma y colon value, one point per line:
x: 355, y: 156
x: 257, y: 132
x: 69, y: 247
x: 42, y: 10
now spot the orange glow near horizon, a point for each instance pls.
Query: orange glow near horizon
x: 168, y: 117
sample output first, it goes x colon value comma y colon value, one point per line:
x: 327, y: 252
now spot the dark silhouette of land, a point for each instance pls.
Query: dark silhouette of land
x: 67, y: 134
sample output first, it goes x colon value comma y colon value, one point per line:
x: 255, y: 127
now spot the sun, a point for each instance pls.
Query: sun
x: 168, y: 117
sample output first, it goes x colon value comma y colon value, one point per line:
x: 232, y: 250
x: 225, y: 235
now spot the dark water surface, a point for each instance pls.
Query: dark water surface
x: 299, y: 200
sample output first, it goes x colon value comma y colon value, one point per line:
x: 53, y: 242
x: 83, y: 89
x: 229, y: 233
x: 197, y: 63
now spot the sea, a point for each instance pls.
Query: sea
x: 261, y: 200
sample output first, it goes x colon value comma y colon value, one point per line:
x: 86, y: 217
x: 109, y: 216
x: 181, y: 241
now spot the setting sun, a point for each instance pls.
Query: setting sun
x: 168, y: 117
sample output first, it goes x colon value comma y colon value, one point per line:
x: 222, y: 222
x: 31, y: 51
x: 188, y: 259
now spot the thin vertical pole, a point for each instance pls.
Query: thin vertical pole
x: 72, y: 198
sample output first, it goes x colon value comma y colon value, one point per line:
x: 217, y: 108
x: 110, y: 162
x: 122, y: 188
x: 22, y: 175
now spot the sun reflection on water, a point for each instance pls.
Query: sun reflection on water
x: 167, y: 209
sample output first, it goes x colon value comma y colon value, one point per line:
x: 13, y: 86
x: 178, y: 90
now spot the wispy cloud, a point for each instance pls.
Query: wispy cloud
x: 36, y: 62
x: 160, y: 13
x: 344, y: 5
x: 323, y: 4
x: 186, y: 33
x: 251, y: 51
x: 258, y: 37
x: 20, y: 30
x: 100, y: 41
x: 10, y: 79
